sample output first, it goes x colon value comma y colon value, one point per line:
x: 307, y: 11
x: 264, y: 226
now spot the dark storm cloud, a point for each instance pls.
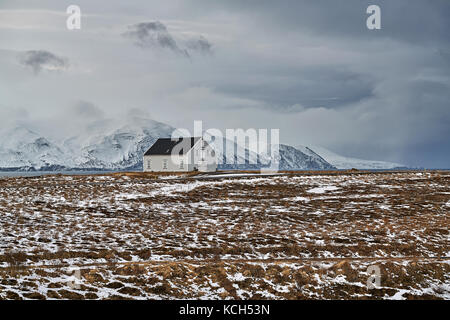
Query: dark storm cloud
x: 153, y: 34
x: 445, y: 55
x: 394, y: 96
x: 39, y: 60
x: 308, y: 87
x: 412, y: 20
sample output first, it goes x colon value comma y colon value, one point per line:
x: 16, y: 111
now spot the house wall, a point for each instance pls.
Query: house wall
x: 172, y: 163
x: 208, y: 160
x: 192, y: 160
x: 204, y: 159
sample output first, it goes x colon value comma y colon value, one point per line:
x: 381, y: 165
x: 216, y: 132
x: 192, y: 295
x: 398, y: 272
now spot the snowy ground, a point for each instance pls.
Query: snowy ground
x: 281, y: 237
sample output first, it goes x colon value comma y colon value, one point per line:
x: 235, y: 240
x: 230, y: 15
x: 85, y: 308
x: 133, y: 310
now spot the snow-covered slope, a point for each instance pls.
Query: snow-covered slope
x: 289, y: 158
x: 106, y: 147
x: 118, y: 149
x: 301, y: 159
x: 25, y: 149
x: 230, y: 155
x: 342, y: 162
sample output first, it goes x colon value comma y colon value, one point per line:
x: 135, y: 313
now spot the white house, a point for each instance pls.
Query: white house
x: 181, y: 155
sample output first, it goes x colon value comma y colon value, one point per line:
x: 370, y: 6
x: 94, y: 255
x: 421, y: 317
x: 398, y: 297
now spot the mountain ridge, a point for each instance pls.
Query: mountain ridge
x: 342, y: 162
x: 122, y: 148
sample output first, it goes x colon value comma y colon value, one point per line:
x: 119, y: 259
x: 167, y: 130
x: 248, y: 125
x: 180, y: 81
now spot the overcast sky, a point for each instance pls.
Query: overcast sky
x: 310, y: 68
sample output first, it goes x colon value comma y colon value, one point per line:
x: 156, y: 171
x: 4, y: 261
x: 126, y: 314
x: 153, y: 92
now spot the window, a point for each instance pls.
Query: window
x: 149, y: 163
x: 201, y: 153
x: 165, y: 161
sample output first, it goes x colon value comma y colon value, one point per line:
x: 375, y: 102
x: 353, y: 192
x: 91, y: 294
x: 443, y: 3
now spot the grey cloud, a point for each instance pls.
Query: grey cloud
x: 13, y: 116
x: 39, y: 60
x: 138, y: 112
x: 412, y: 20
x: 87, y: 110
x: 409, y: 119
x: 200, y: 44
x: 316, y: 87
x: 153, y: 34
x: 444, y: 54
x: 312, y: 68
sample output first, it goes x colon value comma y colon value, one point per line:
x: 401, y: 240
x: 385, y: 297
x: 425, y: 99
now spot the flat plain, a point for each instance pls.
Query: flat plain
x: 288, y: 236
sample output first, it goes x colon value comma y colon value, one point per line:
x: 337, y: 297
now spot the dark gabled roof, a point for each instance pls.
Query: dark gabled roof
x: 164, y: 146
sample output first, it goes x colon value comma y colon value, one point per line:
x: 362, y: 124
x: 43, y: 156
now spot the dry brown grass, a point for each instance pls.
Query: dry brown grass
x: 215, y: 231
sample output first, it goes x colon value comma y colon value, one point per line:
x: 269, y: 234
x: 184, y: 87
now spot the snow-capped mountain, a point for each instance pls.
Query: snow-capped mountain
x: 231, y: 155
x: 301, y: 159
x: 342, y: 162
x: 24, y: 149
x: 103, y: 147
x: 118, y: 149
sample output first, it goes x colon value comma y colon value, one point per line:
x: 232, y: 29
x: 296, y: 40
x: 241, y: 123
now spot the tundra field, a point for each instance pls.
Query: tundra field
x: 288, y: 236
